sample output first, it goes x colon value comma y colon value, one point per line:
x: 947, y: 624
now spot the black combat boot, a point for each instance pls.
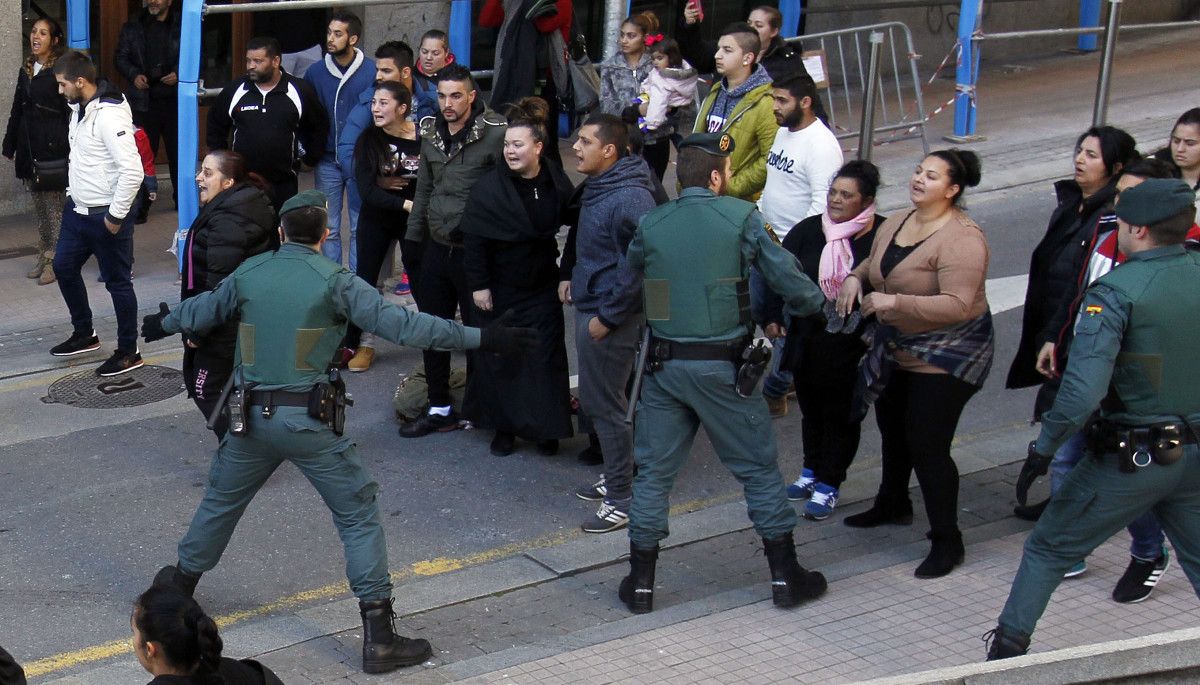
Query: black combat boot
x: 1004, y: 644
x: 637, y: 588
x: 946, y: 553
x: 173, y: 576
x: 790, y: 583
x: 383, y: 649
x: 884, y: 511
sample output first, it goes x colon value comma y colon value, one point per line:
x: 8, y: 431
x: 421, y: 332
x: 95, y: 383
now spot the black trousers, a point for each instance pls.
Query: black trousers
x: 658, y: 156
x: 443, y: 291
x: 373, y: 240
x: 161, y: 122
x: 830, y: 437
x: 917, y: 415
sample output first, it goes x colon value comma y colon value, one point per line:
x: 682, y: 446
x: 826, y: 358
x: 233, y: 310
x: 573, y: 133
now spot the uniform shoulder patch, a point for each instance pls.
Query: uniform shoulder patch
x: 1093, y: 309
x: 771, y: 232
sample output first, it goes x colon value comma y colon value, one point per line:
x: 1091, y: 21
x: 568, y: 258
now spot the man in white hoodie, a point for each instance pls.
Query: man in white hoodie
x: 103, y: 179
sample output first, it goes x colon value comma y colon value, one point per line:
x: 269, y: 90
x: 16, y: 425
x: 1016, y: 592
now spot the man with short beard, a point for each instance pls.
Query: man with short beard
x: 339, y: 80
x: 271, y: 118
x: 148, y: 57
x: 458, y: 146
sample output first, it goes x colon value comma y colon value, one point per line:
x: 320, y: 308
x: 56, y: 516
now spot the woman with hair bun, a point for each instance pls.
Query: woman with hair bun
x: 510, y: 256
x: 923, y: 282
x: 177, y: 643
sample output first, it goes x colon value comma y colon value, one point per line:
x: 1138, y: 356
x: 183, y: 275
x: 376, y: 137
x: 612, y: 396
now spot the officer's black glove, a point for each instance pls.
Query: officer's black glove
x: 1035, y: 465
x: 152, y: 325
x: 501, y: 338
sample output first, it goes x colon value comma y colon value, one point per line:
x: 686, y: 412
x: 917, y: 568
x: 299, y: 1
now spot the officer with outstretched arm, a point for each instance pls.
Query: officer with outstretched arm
x: 293, y: 306
x: 1133, y: 358
x: 703, y: 368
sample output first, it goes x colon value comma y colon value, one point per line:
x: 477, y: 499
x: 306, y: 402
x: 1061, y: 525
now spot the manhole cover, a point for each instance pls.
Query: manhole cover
x: 140, y: 386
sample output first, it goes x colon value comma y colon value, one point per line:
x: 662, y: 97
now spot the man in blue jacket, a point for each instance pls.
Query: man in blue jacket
x: 339, y: 79
x: 607, y: 294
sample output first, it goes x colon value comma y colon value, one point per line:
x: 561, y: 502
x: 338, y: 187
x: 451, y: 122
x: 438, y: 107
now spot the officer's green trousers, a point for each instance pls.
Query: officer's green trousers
x: 1095, y: 501
x: 675, y: 401
x: 243, y: 464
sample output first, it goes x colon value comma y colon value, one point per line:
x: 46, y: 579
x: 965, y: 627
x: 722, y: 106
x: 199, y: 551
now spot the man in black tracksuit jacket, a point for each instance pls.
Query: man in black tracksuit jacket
x: 271, y: 118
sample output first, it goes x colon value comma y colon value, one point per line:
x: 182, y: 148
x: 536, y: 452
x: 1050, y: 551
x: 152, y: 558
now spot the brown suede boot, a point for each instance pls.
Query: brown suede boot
x: 47, y: 275
x: 38, y: 268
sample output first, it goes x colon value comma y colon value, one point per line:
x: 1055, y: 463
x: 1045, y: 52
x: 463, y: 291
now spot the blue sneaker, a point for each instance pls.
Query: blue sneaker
x: 820, y: 506
x: 1076, y: 570
x: 802, y: 489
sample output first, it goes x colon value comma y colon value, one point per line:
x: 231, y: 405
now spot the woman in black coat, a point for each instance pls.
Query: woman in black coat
x: 178, y: 644
x: 824, y: 359
x: 510, y: 256
x: 37, y: 129
x: 236, y: 222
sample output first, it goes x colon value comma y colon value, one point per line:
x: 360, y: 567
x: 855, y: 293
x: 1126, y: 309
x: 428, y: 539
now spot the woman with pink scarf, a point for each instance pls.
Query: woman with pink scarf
x: 829, y: 246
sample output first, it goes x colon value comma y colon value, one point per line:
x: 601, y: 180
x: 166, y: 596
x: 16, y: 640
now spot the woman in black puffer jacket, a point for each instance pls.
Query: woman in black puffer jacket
x: 236, y: 222
x: 37, y: 129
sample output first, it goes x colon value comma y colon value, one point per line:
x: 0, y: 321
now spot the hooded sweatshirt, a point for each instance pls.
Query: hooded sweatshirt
x: 105, y: 168
x: 602, y: 283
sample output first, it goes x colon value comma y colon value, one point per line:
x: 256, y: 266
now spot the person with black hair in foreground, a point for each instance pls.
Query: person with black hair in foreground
x: 293, y: 306
x: 177, y: 643
x: 11, y: 672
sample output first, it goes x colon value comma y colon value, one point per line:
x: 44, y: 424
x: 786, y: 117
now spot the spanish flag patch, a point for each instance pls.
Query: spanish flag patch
x: 771, y: 232
x: 1094, y: 309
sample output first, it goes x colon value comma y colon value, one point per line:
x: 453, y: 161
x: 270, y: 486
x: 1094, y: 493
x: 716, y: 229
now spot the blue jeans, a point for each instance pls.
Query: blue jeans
x: 766, y: 305
x: 81, y: 237
x: 1145, y: 530
x: 329, y: 180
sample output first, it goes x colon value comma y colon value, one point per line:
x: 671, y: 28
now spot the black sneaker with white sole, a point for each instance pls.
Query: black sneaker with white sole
x: 78, y: 343
x: 119, y: 363
x: 594, y: 492
x: 606, y: 519
x: 1140, y: 578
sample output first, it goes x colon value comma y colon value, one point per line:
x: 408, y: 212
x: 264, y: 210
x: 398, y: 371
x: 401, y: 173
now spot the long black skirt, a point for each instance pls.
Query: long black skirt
x: 529, y: 395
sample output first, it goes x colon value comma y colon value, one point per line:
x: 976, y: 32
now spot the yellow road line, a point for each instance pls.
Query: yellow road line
x: 39, y: 379
x: 426, y: 568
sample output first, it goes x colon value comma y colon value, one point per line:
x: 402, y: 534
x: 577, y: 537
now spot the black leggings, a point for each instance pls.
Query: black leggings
x: 658, y: 156
x: 443, y: 290
x: 830, y: 438
x: 373, y: 240
x: 917, y: 415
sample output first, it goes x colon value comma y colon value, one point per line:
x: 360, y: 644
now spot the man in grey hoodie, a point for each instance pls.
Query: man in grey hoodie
x: 608, y: 303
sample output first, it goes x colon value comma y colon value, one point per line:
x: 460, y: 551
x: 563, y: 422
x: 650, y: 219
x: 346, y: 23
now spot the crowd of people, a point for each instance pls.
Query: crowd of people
x: 862, y: 309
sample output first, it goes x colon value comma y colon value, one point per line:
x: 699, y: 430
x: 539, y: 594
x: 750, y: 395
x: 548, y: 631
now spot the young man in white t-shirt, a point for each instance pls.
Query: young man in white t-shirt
x: 803, y: 160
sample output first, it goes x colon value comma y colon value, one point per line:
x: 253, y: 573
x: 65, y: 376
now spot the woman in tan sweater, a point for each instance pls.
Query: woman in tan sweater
x: 925, y: 279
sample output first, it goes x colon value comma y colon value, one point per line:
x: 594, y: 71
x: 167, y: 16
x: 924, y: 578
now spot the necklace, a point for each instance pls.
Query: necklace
x: 535, y: 193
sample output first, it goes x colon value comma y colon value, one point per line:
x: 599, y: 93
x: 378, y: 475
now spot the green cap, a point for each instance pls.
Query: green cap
x: 308, y: 198
x: 1154, y: 200
x: 718, y: 144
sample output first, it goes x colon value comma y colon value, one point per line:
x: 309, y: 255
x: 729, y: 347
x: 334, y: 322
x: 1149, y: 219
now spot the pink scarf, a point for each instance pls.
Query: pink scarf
x: 837, y: 258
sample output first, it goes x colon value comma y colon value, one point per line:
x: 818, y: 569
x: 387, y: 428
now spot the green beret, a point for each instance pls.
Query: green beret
x: 308, y: 198
x: 1154, y: 200
x: 718, y: 144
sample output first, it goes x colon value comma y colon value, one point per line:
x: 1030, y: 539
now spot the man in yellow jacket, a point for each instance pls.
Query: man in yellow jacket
x: 741, y: 106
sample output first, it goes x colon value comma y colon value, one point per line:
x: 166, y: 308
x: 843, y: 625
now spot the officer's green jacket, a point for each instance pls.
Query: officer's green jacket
x: 1133, y: 356
x: 695, y: 253
x: 293, y: 306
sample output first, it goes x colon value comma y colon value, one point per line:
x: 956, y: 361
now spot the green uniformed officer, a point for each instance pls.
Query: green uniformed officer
x: 293, y: 306
x: 696, y: 253
x: 1134, y: 358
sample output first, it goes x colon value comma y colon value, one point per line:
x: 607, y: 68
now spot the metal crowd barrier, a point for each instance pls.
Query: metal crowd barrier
x: 971, y: 35
x: 855, y: 89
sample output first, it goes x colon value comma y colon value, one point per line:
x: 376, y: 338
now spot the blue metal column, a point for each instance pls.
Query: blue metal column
x: 79, y: 25
x: 189, y: 131
x: 460, y: 31
x: 1089, y: 17
x: 790, y: 9
x: 968, y: 63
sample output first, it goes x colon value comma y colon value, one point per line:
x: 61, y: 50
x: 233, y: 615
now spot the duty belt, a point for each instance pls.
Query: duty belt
x: 276, y: 398
x: 663, y: 350
x: 1139, y: 446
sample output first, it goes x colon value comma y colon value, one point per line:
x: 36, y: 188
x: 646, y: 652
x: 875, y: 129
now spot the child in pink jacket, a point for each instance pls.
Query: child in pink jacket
x: 671, y: 90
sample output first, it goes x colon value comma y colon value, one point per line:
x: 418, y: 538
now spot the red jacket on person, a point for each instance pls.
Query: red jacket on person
x: 491, y: 16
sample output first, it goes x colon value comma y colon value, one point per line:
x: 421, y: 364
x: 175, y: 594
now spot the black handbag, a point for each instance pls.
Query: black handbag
x: 50, y: 174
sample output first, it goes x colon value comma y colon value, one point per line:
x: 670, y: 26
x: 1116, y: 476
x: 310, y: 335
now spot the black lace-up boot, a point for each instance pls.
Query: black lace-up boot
x: 173, y: 576
x: 790, y: 583
x: 383, y: 649
x: 637, y: 588
x: 1002, y: 643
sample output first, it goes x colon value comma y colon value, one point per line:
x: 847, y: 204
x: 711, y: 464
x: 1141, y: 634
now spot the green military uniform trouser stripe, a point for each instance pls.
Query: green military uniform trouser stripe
x: 676, y: 400
x: 244, y: 462
x: 1095, y: 501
